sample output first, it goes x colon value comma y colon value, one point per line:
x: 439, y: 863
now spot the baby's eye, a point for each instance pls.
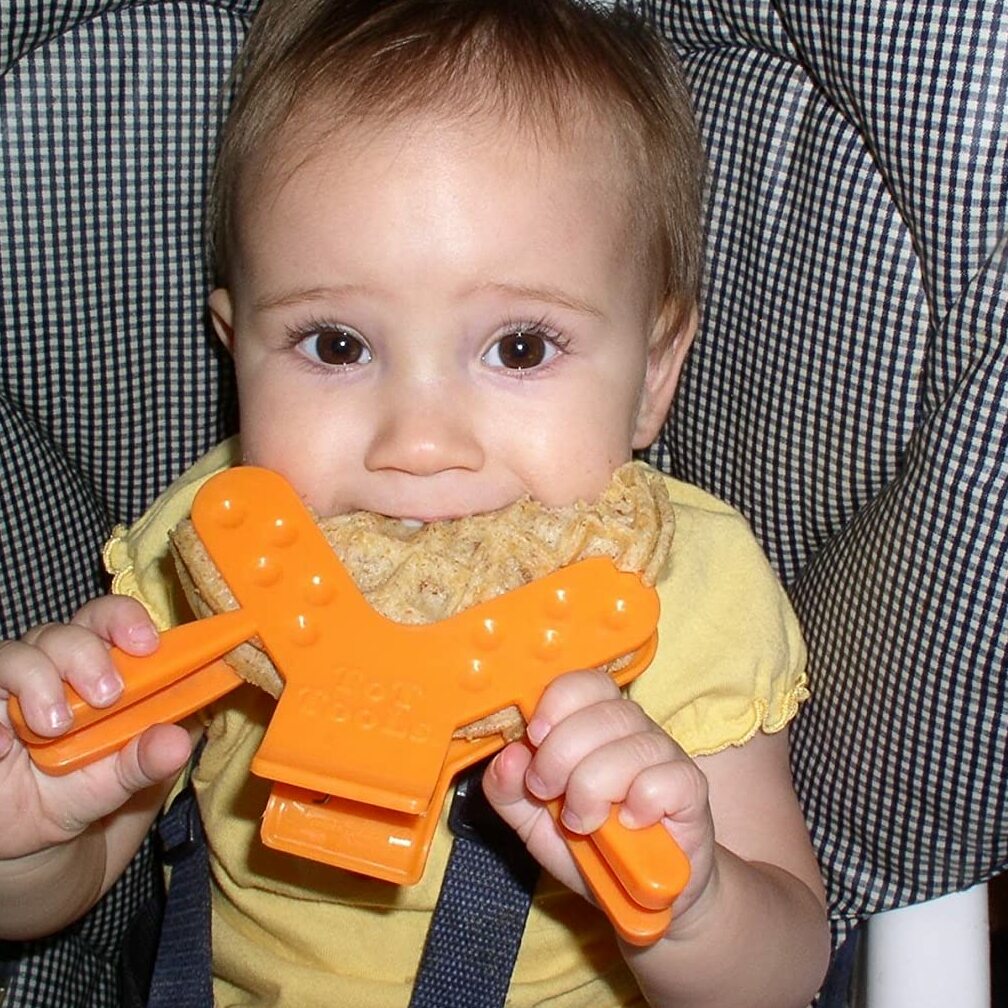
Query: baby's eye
x: 522, y: 350
x: 335, y: 347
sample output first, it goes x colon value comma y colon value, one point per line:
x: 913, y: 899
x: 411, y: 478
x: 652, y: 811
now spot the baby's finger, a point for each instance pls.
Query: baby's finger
x: 571, y: 740
x: 675, y: 790
x: 101, y: 788
x: 121, y: 621
x: 566, y: 694
x: 675, y: 794
x: 82, y: 659
x: 504, y: 787
x: 607, y: 773
x: 6, y: 739
x: 29, y: 674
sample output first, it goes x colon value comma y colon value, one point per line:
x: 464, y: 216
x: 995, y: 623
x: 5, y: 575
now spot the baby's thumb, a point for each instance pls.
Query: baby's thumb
x: 504, y: 787
x: 153, y: 757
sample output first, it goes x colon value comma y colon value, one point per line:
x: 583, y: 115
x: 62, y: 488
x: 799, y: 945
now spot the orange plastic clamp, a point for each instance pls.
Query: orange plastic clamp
x: 369, y: 705
x: 179, y: 678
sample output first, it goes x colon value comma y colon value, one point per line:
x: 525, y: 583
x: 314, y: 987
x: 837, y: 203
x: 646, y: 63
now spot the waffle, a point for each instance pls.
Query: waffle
x: 421, y: 575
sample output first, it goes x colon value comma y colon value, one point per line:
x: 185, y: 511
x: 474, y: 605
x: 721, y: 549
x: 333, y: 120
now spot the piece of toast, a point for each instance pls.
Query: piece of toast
x: 420, y: 575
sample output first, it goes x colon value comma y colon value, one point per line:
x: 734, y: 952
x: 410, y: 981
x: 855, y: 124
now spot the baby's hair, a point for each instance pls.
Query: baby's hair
x: 543, y: 64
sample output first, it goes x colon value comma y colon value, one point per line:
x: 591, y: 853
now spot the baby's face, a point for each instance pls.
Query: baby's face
x: 432, y: 320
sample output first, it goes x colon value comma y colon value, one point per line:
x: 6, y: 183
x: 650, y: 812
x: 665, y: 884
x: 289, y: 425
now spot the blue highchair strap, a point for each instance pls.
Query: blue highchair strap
x: 182, y: 972
x: 473, y: 938
x: 480, y: 915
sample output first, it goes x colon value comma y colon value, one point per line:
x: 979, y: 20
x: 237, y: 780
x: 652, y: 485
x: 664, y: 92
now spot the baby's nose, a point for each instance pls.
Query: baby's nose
x: 423, y: 432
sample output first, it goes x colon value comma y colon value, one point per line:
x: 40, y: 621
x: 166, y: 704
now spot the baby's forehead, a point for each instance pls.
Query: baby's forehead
x: 317, y: 150
x: 552, y: 129
x: 584, y: 140
x: 571, y: 80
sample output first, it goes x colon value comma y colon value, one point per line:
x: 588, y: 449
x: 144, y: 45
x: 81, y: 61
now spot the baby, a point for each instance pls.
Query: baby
x: 459, y: 246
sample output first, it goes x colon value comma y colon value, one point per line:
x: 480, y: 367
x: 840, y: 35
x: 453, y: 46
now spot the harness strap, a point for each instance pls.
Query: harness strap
x: 477, y: 927
x: 182, y: 970
x: 474, y: 935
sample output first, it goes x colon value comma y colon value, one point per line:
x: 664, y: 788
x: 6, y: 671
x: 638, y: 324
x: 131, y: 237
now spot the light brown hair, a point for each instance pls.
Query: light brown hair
x: 541, y: 63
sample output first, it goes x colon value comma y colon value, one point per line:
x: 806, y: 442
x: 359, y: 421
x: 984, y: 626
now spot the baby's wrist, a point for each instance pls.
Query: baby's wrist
x: 48, y: 888
x: 692, y: 916
x: 50, y: 864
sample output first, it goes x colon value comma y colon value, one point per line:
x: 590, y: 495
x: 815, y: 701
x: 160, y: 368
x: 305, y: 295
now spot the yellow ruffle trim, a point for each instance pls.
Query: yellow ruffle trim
x: 118, y: 561
x: 760, y: 720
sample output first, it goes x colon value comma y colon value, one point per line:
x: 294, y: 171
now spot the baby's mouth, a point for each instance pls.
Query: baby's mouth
x: 414, y: 523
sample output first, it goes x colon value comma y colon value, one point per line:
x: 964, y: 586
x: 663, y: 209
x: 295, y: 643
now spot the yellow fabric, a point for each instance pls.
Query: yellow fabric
x: 289, y: 932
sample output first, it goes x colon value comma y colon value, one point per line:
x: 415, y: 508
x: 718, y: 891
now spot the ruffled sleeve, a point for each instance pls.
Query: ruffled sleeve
x: 731, y: 659
x: 138, y: 557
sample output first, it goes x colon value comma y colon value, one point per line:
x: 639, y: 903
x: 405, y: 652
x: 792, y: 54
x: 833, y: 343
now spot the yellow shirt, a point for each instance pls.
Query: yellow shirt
x: 292, y: 933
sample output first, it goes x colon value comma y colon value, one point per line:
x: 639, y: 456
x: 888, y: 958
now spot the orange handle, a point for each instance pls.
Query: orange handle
x: 634, y: 874
x: 634, y: 922
x: 162, y: 687
x: 180, y: 699
x: 648, y: 862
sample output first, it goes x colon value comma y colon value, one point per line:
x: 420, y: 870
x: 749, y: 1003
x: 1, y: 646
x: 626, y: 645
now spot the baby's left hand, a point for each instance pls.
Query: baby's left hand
x: 597, y: 748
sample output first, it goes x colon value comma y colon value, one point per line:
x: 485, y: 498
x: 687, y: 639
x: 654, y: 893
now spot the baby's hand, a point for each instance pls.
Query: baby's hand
x: 597, y: 748
x: 53, y: 809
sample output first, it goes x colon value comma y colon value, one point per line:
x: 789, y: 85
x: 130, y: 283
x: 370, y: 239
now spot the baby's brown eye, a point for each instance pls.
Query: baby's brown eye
x: 519, y: 351
x: 337, y: 348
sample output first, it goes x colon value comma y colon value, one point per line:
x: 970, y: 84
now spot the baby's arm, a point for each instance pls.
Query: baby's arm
x: 750, y: 927
x: 65, y: 840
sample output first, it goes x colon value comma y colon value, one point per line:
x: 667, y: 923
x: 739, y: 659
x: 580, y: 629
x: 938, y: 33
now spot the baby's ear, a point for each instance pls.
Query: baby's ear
x: 671, y: 340
x: 222, y: 315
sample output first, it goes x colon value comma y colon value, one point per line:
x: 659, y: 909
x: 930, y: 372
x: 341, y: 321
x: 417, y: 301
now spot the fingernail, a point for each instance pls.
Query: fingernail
x: 58, y: 715
x: 143, y: 635
x: 537, y: 729
x: 108, y: 687
x: 535, y: 784
x: 571, y: 821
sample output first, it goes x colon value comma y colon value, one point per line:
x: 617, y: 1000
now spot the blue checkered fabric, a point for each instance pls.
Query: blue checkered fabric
x: 79, y: 968
x: 848, y: 394
x: 846, y: 391
x: 110, y: 384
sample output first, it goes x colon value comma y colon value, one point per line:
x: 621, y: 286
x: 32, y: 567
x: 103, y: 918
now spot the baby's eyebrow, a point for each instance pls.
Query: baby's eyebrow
x: 546, y: 294
x: 305, y: 295
x: 529, y: 292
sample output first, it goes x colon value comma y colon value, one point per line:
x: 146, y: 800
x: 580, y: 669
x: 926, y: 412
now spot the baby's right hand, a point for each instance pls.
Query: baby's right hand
x: 48, y: 810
